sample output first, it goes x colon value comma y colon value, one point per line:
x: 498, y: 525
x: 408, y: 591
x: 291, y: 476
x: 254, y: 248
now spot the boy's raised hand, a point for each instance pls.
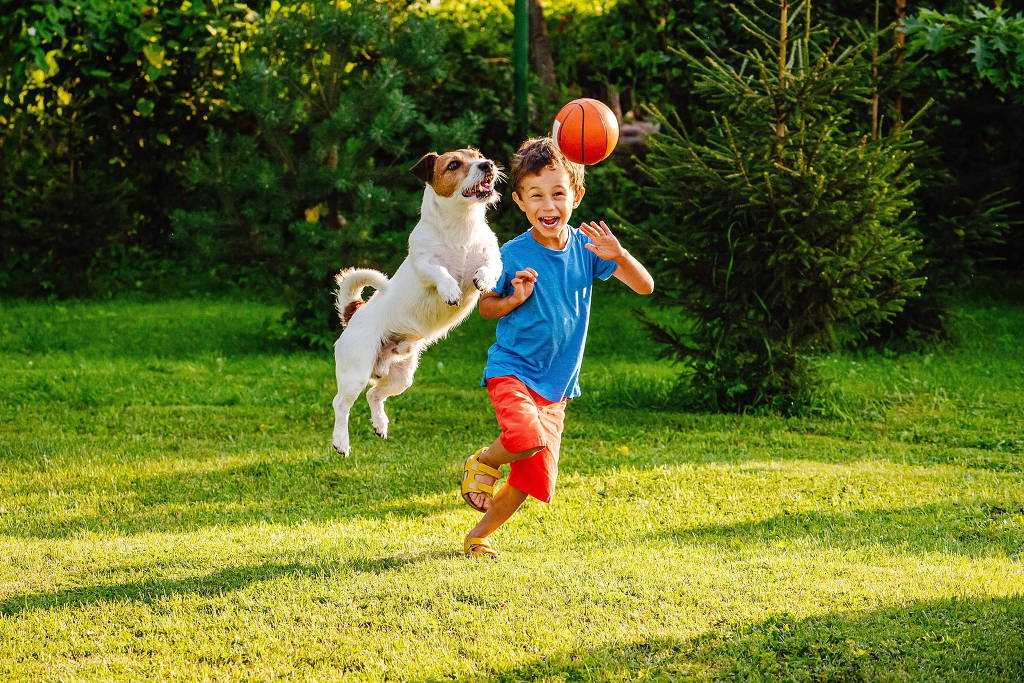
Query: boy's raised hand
x: 522, y: 284
x: 602, y: 241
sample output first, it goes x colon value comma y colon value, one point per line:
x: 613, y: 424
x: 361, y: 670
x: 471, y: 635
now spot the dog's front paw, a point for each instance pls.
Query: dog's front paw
x: 450, y: 293
x: 339, y: 442
x: 484, y: 280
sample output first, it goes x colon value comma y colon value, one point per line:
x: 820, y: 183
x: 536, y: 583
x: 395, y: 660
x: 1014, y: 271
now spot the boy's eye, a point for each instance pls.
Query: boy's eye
x: 454, y: 165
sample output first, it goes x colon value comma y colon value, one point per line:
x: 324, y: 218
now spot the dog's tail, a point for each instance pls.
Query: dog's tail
x: 351, y: 282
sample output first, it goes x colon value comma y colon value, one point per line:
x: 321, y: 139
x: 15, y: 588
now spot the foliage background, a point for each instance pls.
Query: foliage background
x: 133, y: 138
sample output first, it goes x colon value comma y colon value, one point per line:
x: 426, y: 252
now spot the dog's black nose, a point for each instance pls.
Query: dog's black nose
x: 487, y: 166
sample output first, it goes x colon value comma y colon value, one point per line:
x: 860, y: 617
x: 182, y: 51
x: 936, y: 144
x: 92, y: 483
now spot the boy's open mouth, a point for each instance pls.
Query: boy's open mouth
x: 482, y: 190
x: 548, y: 222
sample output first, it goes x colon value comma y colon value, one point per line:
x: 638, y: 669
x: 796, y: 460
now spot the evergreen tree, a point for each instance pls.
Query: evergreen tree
x: 783, y: 219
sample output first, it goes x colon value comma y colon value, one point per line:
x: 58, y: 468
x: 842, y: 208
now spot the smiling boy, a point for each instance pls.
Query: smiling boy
x: 542, y: 303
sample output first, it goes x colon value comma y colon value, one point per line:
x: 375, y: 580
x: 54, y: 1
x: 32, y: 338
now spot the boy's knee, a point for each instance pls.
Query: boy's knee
x: 528, y: 453
x: 517, y: 452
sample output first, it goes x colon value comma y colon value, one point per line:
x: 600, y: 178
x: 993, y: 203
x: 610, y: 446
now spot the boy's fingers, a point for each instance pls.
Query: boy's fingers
x: 605, y: 227
x: 589, y: 246
x: 527, y: 274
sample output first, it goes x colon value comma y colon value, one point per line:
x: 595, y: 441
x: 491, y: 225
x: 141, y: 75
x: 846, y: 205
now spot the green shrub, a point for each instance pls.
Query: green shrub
x: 98, y: 101
x: 972, y: 63
x: 782, y: 221
x: 627, y: 47
x: 336, y: 104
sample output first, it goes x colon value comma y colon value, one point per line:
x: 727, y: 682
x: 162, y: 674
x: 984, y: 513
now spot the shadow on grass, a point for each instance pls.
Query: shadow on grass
x: 212, y: 585
x: 980, y: 530
x: 958, y: 638
x: 412, y: 477
x: 262, y: 491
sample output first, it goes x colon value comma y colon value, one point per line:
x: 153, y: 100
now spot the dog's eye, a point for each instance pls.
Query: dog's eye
x: 454, y: 165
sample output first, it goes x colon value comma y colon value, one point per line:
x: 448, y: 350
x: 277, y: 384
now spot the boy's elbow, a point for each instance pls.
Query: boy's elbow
x: 646, y: 288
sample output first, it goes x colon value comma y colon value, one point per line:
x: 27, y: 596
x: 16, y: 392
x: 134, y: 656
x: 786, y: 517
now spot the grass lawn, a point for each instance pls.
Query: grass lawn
x: 170, y: 507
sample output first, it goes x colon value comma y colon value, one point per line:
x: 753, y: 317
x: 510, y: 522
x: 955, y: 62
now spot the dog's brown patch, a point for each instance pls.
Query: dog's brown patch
x: 446, y: 180
x: 350, y: 310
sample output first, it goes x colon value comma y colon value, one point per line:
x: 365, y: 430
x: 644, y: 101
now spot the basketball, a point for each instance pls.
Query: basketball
x: 585, y: 131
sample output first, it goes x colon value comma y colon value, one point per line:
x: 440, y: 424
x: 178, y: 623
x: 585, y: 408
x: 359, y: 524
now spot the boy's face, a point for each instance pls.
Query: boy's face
x: 547, y: 199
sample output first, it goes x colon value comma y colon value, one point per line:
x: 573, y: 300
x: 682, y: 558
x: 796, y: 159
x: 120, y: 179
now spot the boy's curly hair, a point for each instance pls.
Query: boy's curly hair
x: 538, y: 153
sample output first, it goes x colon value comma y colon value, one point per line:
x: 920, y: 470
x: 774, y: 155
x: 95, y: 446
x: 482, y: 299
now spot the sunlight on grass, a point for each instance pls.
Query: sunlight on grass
x: 170, y: 506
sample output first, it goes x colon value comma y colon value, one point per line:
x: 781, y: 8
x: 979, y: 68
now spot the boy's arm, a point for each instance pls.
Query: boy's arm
x: 492, y: 305
x: 633, y: 274
x: 628, y: 270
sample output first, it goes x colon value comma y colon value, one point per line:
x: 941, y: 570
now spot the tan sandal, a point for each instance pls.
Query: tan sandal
x: 472, y: 468
x: 478, y: 547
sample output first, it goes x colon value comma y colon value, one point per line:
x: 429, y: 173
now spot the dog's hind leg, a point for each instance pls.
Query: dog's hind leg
x: 353, y: 362
x: 398, y: 379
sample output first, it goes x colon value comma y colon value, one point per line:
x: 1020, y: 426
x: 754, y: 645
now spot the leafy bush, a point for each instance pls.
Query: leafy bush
x: 627, y: 47
x: 972, y: 63
x: 336, y: 104
x: 97, y: 102
x: 784, y: 219
x: 985, y: 44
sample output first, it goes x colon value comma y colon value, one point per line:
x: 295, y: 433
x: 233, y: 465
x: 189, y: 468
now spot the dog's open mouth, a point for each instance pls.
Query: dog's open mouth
x: 482, y: 190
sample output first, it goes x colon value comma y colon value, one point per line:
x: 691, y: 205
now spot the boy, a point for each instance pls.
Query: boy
x: 542, y: 301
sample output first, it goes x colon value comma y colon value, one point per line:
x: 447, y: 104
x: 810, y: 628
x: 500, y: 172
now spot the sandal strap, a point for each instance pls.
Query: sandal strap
x: 474, y: 465
x: 477, y: 487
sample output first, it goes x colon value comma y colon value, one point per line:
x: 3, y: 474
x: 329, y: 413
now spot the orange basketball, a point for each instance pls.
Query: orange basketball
x: 585, y: 131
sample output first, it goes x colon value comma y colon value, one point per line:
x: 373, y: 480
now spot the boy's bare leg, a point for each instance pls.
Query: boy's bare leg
x: 496, y: 456
x: 504, y: 504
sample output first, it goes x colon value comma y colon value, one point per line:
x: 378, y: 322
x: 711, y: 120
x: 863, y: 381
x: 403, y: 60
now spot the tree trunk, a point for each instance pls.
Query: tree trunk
x: 614, y: 101
x: 780, y: 116
x: 901, y: 40
x: 874, y: 76
x: 540, y: 48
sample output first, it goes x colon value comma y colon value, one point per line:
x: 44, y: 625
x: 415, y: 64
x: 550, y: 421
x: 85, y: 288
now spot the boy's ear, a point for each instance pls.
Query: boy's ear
x: 518, y: 200
x: 424, y: 168
x: 578, y: 198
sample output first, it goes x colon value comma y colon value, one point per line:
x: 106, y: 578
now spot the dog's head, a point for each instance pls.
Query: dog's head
x: 463, y: 175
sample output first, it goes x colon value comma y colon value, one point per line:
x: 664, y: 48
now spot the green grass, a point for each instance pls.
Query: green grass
x: 169, y: 507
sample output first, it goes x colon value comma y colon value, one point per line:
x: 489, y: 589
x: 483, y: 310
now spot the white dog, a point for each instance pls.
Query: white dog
x: 453, y: 256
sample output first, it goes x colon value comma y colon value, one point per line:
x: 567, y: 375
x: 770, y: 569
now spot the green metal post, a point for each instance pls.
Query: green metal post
x: 520, y: 44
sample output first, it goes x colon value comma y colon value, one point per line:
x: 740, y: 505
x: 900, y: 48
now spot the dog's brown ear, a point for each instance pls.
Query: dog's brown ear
x: 424, y: 168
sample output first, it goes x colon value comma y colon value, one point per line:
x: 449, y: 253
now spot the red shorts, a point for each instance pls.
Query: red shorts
x: 528, y: 420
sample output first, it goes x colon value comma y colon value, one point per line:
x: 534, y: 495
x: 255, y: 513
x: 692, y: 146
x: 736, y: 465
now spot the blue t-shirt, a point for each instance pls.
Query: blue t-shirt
x: 541, y: 342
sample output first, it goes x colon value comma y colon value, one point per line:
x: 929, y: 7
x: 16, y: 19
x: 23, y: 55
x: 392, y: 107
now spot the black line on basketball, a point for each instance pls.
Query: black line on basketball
x: 583, y: 127
x: 604, y: 129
